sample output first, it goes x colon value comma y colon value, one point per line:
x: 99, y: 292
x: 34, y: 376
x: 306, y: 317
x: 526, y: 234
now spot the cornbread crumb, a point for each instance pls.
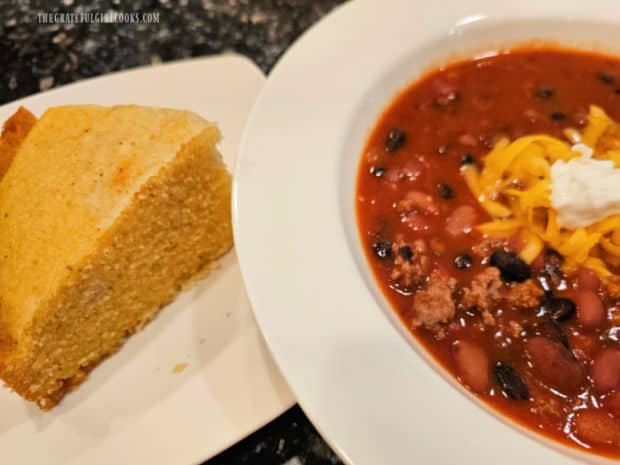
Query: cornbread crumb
x: 179, y: 368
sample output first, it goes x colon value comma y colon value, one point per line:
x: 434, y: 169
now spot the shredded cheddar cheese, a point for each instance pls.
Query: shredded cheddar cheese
x: 515, y: 187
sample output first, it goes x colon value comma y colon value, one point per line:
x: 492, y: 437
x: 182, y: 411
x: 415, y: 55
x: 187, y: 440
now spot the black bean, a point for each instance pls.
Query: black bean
x: 468, y: 159
x: 552, y: 269
x: 510, y: 382
x: 559, y: 308
x: 463, y: 261
x: 512, y: 268
x: 395, y: 140
x: 558, y: 116
x: 445, y: 191
x: 443, y: 149
x: 552, y: 254
x: 406, y: 252
x: 545, y: 92
x: 383, y: 249
x: 546, y: 287
x: 606, y: 78
x: 377, y: 171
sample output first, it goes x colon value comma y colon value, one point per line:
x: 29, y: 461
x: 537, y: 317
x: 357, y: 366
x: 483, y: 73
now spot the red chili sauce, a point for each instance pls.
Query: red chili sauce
x: 535, y: 344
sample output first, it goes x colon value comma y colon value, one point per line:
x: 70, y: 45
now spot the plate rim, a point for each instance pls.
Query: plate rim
x: 128, y: 72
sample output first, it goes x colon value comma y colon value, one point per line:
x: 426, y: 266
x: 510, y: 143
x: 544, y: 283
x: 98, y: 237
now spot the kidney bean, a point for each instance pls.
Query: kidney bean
x: 597, y: 427
x: 590, y: 310
x: 445, y: 92
x: 554, y: 365
x: 416, y: 222
x: 587, y: 344
x: 416, y: 200
x: 473, y: 366
x: 468, y: 140
x: 538, y: 263
x: 461, y: 220
x: 552, y: 330
x: 410, y: 171
x: 605, y: 370
x: 587, y: 279
x: 515, y: 243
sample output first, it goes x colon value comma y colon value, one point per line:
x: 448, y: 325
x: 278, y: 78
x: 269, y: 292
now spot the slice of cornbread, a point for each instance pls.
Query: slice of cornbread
x: 104, y: 214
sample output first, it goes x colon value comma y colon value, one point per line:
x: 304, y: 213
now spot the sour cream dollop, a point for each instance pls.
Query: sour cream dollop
x: 584, y: 190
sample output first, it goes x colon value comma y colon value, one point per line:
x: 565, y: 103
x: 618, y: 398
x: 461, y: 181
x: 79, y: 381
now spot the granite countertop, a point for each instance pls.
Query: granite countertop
x: 36, y: 57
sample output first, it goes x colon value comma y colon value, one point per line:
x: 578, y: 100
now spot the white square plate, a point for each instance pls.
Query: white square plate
x: 133, y: 408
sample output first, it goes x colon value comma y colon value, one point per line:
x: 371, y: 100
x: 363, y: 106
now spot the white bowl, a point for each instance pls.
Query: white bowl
x: 342, y: 349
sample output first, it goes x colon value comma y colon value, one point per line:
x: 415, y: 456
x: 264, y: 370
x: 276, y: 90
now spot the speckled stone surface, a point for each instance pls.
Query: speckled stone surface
x: 288, y: 440
x: 36, y: 57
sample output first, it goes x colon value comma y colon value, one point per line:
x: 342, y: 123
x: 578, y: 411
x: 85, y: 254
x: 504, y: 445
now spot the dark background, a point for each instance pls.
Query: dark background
x: 36, y: 57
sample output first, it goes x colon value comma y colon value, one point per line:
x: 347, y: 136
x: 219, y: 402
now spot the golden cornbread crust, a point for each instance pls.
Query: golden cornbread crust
x: 177, y: 224
x: 14, y: 131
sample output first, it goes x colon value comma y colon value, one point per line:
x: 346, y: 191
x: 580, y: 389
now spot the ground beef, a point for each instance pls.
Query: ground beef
x: 487, y: 291
x: 416, y: 201
x: 435, y: 304
x: 410, y: 273
x: 545, y: 403
x: 485, y: 248
x: 407, y: 274
x: 487, y: 318
x: 515, y: 329
x: 484, y: 292
x: 420, y: 247
x: 523, y: 295
x: 461, y: 221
